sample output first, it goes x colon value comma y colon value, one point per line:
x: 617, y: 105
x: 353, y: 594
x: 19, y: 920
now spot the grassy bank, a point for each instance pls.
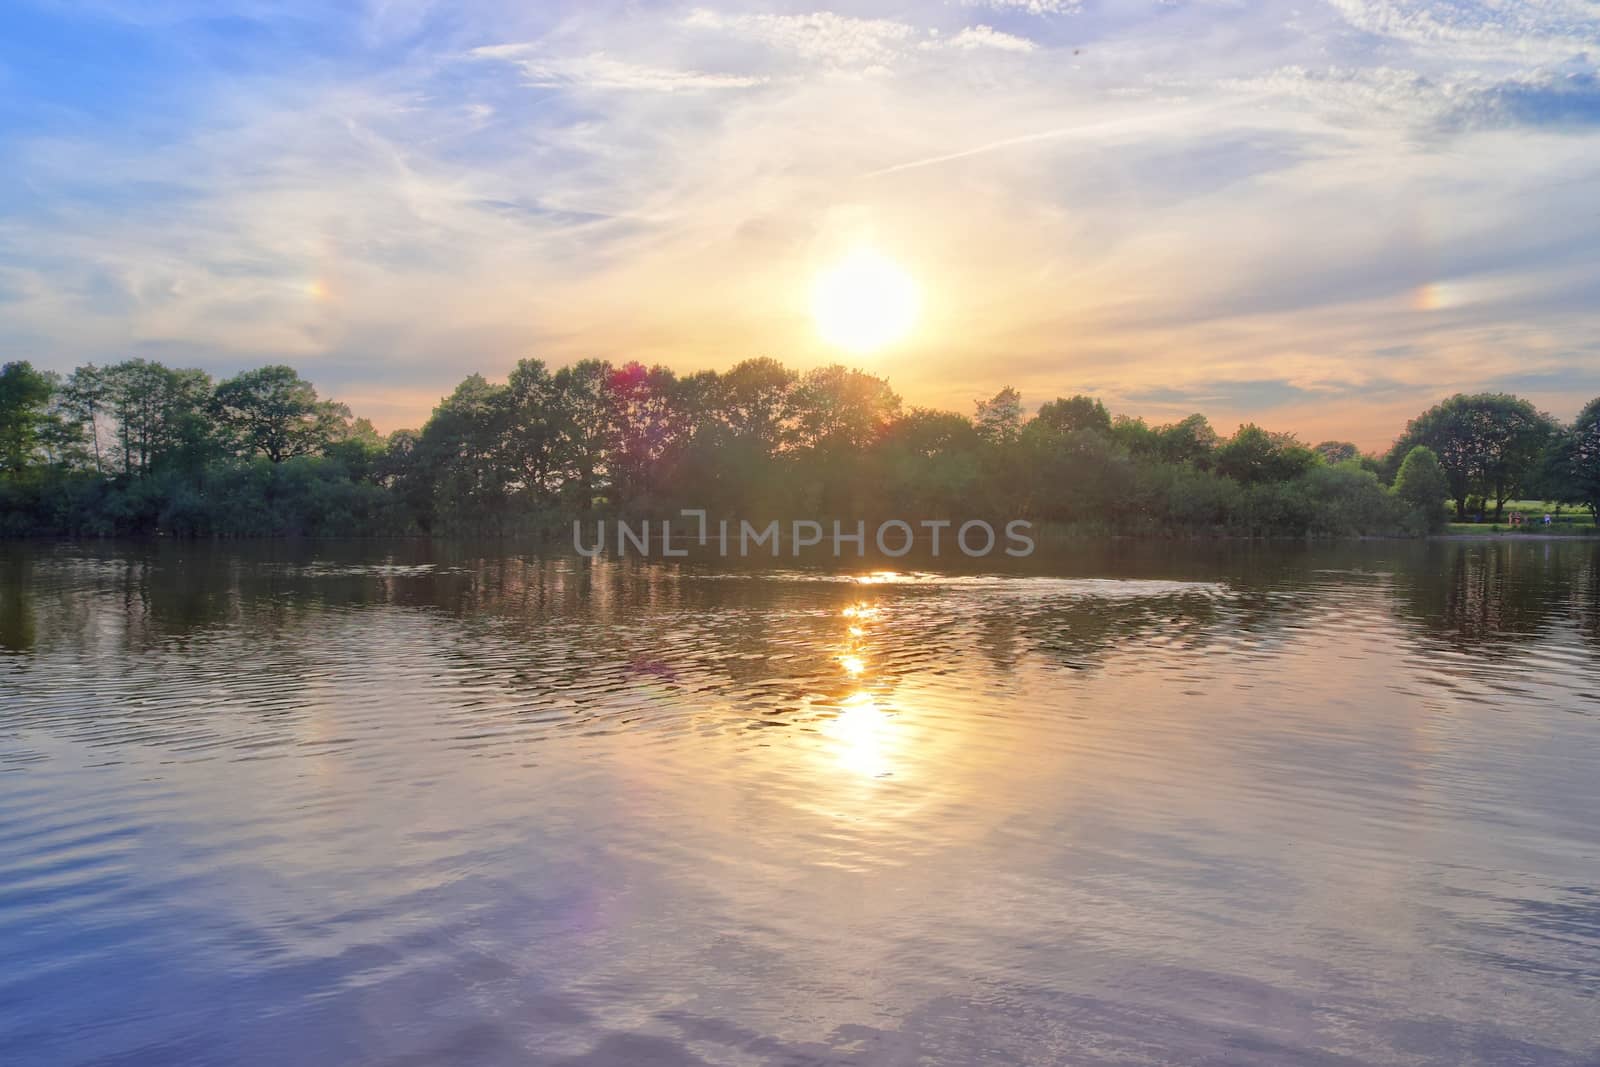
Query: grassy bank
x: 1567, y: 522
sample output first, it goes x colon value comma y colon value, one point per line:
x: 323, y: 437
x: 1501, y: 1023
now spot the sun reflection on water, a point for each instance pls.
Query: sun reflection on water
x: 861, y: 734
x: 851, y: 656
x: 863, y: 737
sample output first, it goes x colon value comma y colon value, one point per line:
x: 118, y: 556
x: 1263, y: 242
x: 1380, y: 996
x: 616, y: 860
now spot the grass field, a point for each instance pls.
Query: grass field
x: 1569, y: 520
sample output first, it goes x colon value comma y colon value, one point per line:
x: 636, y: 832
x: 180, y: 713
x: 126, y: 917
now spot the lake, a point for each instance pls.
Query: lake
x: 1130, y: 804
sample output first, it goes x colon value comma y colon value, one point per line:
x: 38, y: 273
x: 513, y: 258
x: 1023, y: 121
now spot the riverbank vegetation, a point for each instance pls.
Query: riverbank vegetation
x: 138, y: 448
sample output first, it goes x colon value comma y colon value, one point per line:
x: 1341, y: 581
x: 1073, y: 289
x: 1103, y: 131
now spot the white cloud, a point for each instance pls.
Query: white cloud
x: 597, y: 70
x: 820, y: 36
x: 1369, y: 97
x: 1031, y: 7
x: 1490, y: 31
x: 844, y: 42
x: 975, y: 37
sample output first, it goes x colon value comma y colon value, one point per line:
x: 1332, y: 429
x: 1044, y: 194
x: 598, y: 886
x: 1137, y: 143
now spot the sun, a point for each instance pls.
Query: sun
x: 864, y: 302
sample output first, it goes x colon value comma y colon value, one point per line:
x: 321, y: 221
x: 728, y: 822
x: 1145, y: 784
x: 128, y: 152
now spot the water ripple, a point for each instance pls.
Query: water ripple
x: 1162, y: 806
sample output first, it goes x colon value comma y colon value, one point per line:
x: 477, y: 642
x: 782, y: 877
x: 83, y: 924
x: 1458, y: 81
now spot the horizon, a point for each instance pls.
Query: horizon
x: 1029, y: 405
x: 1319, y: 219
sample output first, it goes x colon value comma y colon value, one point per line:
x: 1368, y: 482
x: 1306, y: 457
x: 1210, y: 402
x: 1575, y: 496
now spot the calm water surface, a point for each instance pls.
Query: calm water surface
x: 1146, y: 805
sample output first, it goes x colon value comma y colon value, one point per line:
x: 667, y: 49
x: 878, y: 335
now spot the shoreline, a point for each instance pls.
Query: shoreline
x: 1507, y: 535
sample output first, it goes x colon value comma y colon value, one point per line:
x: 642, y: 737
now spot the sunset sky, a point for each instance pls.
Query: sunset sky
x: 1320, y: 216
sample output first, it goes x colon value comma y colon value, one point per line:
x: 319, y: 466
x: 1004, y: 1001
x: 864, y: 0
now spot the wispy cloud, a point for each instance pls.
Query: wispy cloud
x: 1031, y: 7
x: 1124, y: 125
x: 1564, y: 98
x: 842, y: 41
x: 822, y: 35
x: 1539, y: 31
x: 971, y: 37
x: 1567, y: 96
x: 600, y: 71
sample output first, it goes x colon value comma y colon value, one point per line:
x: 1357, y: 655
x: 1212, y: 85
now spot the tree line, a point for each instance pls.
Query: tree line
x: 138, y: 448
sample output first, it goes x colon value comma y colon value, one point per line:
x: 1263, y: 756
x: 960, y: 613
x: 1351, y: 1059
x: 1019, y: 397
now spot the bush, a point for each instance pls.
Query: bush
x: 1346, y: 499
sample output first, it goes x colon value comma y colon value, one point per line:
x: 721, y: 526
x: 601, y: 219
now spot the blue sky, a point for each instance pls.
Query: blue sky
x: 1318, y: 215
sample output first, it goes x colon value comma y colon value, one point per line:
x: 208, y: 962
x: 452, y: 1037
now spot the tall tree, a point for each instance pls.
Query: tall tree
x: 1583, y: 458
x: 840, y: 408
x: 460, y: 452
x: 933, y: 463
x: 274, y: 411
x: 361, y: 448
x: 24, y: 411
x: 83, y: 401
x: 1136, y: 435
x: 1064, y: 416
x: 160, y: 414
x: 1252, y: 456
x: 1000, y: 417
x: 583, y: 429
x: 1191, y: 440
x: 755, y: 400
x: 533, y: 428
x: 646, y: 424
x: 1422, y: 484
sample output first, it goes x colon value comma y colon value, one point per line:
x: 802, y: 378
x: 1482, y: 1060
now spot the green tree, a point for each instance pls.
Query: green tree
x: 1253, y: 456
x: 161, y: 416
x: 1423, y: 485
x: 360, y: 448
x: 83, y: 402
x: 243, y: 459
x: 1135, y: 435
x: 459, y: 462
x: 1191, y: 440
x: 275, y: 412
x: 1074, y: 413
x: 24, y: 414
x: 533, y: 429
x: 736, y: 433
x: 583, y: 420
x: 1487, y: 443
x: 755, y: 401
x: 403, y: 472
x: 840, y: 408
x: 648, y: 423
x: 1000, y: 417
x: 1071, y: 474
x: 1582, y: 462
x: 932, y: 463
